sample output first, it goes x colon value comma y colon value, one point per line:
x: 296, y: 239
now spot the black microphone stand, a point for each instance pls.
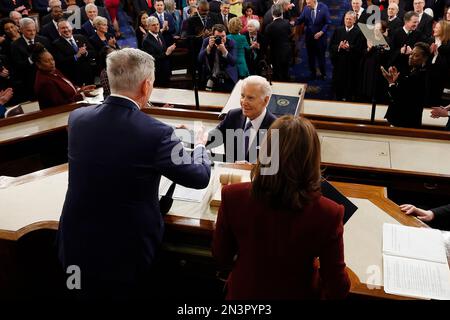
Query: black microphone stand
x: 378, y: 49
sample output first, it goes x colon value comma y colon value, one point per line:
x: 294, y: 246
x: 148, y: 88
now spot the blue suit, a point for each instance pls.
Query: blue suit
x: 168, y: 34
x: 111, y: 223
x: 315, y: 48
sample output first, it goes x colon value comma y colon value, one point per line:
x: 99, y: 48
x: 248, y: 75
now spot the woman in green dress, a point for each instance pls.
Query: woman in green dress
x: 234, y: 27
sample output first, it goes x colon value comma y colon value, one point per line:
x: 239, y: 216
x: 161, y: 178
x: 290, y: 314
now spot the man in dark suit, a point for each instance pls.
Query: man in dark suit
x: 218, y: 60
x: 361, y: 13
x: 21, y: 57
x: 224, y: 15
x: 21, y: 6
x: 166, y: 22
x: 278, y: 36
x: 74, y: 55
x: 214, y: 6
x: 425, y: 21
x: 242, y: 130
x: 102, y: 12
x: 347, y: 46
x: 54, y: 3
x: 88, y: 29
x: 316, y: 18
x: 111, y: 225
x: 155, y: 45
x: 437, y: 217
x: 143, y: 5
x: 50, y: 30
x: 438, y: 7
x: 286, y: 7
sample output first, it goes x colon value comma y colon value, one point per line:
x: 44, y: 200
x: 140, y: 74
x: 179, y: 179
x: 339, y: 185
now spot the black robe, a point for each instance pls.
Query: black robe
x: 407, y: 99
x: 346, y: 63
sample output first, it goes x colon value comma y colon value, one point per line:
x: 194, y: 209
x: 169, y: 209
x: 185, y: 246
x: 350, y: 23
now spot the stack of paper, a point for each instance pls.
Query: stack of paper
x: 415, y: 262
x: 181, y: 193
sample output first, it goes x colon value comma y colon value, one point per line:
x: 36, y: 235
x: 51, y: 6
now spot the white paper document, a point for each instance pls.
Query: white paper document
x: 181, y: 193
x: 415, y: 262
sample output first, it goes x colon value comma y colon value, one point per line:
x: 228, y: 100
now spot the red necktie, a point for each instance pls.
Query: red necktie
x: 149, y: 3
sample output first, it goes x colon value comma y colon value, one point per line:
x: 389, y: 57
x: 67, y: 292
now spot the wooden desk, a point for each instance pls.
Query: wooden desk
x: 34, y: 202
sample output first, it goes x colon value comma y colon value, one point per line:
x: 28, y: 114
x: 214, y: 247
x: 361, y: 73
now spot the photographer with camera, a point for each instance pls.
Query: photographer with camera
x: 218, y: 61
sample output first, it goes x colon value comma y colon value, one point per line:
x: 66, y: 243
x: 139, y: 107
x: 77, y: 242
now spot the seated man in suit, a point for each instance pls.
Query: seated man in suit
x: 218, y: 60
x: 155, y: 45
x: 50, y: 30
x: 242, y: 130
x: 437, y: 217
x: 21, y: 57
x: 74, y: 55
x: 111, y: 225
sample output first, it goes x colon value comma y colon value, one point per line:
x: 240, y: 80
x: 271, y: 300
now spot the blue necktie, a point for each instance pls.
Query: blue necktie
x: 74, y: 45
x: 313, y: 15
x: 247, y: 128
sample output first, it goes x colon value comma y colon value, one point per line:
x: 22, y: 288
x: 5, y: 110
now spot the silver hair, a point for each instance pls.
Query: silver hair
x: 98, y: 20
x: 64, y: 21
x: 54, y: 3
x: 394, y: 5
x: 24, y: 22
x: 283, y: 2
x: 169, y: 5
x: 351, y: 13
x: 90, y: 6
x: 128, y: 68
x: 255, y: 23
x: 151, y: 20
x: 13, y: 13
x: 263, y: 84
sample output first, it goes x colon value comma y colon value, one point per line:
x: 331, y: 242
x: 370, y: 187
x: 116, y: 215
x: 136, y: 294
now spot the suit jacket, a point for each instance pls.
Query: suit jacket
x: 78, y: 70
x: 168, y: 34
x: 220, y: 18
x: 276, y: 249
x: 111, y: 225
x: 162, y: 61
x: 278, y: 35
x: 398, y: 40
x: 321, y: 23
x: 236, y: 120
x: 88, y: 30
x: 438, y: 7
x: 394, y: 25
x: 227, y: 64
x: 102, y: 12
x: 52, y: 90
x: 25, y: 71
x: 50, y: 32
x: 426, y: 26
x: 442, y: 217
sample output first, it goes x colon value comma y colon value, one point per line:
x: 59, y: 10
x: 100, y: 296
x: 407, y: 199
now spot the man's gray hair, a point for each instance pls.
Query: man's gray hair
x: 90, y: 6
x: 12, y: 13
x: 394, y: 5
x: 351, y: 13
x: 263, y: 84
x: 25, y: 22
x: 128, y: 68
x: 255, y: 23
x: 54, y: 3
x: 283, y: 2
x: 152, y: 20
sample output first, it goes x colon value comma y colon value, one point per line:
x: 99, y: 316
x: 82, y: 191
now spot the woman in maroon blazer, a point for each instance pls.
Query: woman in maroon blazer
x: 51, y: 87
x: 272, y: 230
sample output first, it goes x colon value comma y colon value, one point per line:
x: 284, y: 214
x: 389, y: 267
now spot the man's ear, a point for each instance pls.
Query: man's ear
x: 266, y: 100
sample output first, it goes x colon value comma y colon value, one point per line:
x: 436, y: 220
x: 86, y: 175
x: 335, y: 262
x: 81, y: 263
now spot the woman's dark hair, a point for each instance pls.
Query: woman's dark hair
x: 37, y: 51
x: 138, y: 19
x: 102, y: 57
x: 246, y: 6
x: 4, y: 22
x: 297, y: 181
x: 424, y: 48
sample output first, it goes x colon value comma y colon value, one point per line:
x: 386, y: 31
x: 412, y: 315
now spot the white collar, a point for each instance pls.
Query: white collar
x: 406, y: 31
x: 317, y: 4
x: 390, y: 19
x: 349, y: 29
x: 28, y: 40
x: 125, y: 97
x: 256, y: 123
x: 360, y: 11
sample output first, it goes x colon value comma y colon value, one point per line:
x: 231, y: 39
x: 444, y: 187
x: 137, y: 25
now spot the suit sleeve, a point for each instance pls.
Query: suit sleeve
x: 224, y: 246
x: 174, y: 163
x: 327, y: 21
x: 442, y: 217
x: 301, y: 18
x: 335, y: 281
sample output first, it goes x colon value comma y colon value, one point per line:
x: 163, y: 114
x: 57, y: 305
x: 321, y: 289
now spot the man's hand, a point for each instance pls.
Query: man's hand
x: 165, y: 26
x: 318, y: 35
x: 18, y: 9
x: 112, y: 42
x: 4, y: 73
x: 81, y: 51
x: 201, y: 136
x: 87, y: 89
x: 6, y: 95
x: 170, y: 49
x: 438, y: 112
x: 391, y: 75
x: 406, y: 50
x: 222, y: 49
x: 423, y: 215
x: 211, y: 42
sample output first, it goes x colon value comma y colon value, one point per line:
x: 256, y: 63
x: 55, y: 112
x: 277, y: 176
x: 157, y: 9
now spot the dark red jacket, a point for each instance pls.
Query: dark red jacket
x: 52, y: 90
x: 276, y: 250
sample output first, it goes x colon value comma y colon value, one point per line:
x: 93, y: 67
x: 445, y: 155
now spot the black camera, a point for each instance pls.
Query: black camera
x: 218, y: 40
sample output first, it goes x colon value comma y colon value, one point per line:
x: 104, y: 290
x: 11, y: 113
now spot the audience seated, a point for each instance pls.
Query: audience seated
x: 52, y: 88
x: 270, y: 231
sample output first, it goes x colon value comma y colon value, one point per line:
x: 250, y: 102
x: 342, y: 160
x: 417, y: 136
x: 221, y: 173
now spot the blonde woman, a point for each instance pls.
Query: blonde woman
x: 234, y: 27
